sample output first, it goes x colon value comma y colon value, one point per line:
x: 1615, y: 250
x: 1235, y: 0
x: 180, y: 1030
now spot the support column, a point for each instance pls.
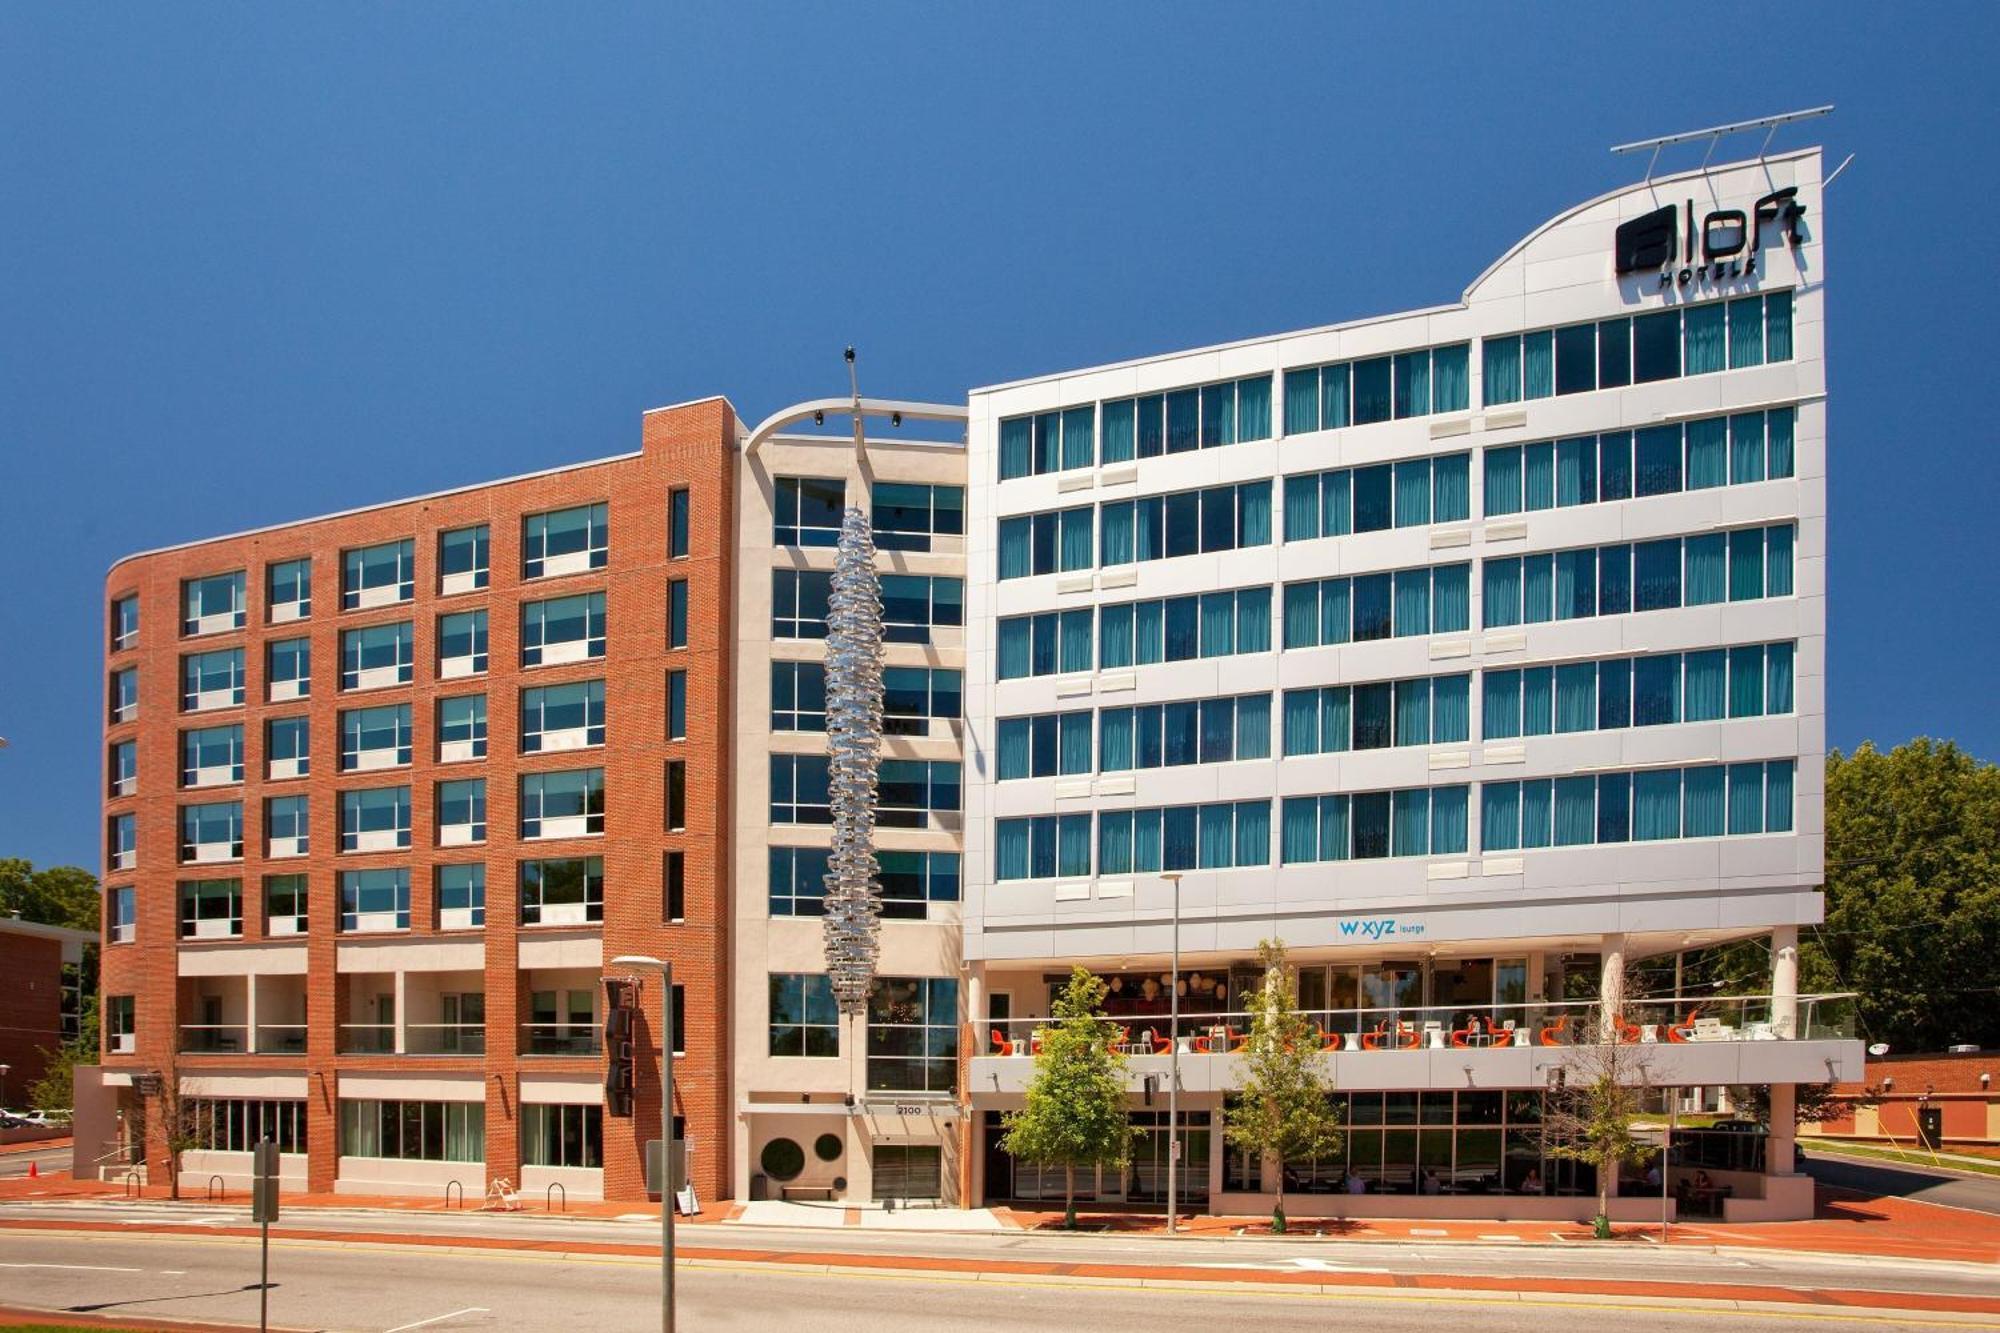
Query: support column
x: 1610, y: 986
x: 250, y: 1013
x: 1785, y: 981
x: 1780, y: 1158
x: 402, y: 993
x: 860, y: 1157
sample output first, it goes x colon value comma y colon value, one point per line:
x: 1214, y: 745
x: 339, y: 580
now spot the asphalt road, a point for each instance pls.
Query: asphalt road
x: 1960, y: 1190
x: 50, y: 1159
x: 210, y: 1280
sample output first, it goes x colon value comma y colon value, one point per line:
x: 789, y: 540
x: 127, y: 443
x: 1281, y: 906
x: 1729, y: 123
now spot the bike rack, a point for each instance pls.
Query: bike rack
x: 132, y: 1184
x: 449, y: 1187
x: 548, y: 1197
x: 217, y: 1188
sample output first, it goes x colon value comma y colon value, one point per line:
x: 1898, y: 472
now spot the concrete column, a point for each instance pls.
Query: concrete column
x: 740, y: 1159
x: 250, y: 1013
x: 1610, y: 984
x: 1785, y: 981
x: 1779, y: 1147
x: 402, y: 993
x: 860, y: 1159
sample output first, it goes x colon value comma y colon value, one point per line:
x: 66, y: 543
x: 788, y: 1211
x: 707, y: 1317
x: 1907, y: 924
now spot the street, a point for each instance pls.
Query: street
x: 211, y: 1279
x: 48, y: 1159
x: 1959, y: 1189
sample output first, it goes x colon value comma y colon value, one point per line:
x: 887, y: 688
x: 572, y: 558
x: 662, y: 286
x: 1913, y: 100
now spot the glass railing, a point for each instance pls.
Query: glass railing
x: 560, y: 1039
x: 444, y: 1038
x: 281, y: 1038
x: 367, y: 1038
x: 214, y: 1038
x: 1440, y: 1027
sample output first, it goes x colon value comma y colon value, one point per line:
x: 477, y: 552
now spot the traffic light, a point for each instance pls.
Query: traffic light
x: 621, y: 1073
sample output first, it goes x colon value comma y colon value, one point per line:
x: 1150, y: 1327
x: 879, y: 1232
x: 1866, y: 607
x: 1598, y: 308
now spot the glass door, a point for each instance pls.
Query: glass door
x: 1146, y: 1176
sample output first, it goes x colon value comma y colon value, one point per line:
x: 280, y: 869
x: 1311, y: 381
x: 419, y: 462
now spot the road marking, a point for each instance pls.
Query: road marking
x: 78, y: 1268
x: 1429, y: 1231
x: 439, y: 1319
x: 1498, y: 1237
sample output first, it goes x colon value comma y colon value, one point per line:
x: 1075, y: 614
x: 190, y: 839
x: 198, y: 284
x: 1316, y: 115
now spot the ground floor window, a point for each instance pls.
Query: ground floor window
x: 238, y: 1124
x: 909, y: 1171
x: 913, y: 1034
x: 414, y: 1131
x: 1441, y: 1143
x: 1142, y: 1180
x: 562, y: 1135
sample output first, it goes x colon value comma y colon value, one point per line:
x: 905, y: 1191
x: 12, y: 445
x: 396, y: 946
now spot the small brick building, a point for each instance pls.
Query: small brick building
x: 1940, y: 1099
x: 35, y: 1013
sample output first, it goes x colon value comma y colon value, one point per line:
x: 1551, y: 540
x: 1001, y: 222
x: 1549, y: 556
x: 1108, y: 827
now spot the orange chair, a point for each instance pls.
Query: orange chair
x: 1505, y: 1036
x: 1683, y: 1031
x: 1553, y: 1034
x: 1626, y: 1033
x: 1162, y: 1044
x: 1331, y: 1041
x: 1001, y: 1044
x: 1462, y: 1037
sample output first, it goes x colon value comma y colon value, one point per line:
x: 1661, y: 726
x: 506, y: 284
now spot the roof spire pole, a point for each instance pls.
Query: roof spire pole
x: 1716, y: 133
x: 854, y: 385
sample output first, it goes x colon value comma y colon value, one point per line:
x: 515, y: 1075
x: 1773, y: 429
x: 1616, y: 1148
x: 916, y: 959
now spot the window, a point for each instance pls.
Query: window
x: 374, y: 900
x: 562, y: 805
x: 1406, y: 602
x: 1751, y: 680
x: 562, y: 717
x: 1042, y: 847
x: 122, y: 841
x: 677, y: 613
x: 674, y: 872
x: 212, y: 680
x: 288, y: 670
x: 798, y: 881
x: 239, y: 1124
x: 1417, y: 821
x: 461, y: 644
x: 1411, y: 493
x: 377, y: 655
x: 563, y: 1135
x: 414, y: 1131
x: 804, y: 1019
x: 913, y: 1034
x: 799, y: 603
x: 1184, y: 837
x: 1187, y: 419
x: 1157, y: 527
x: 213, y: 604
x: 121, y: 915
x: 676, y: 794
x: 372, y: 738
x: 125, y: 694
x: 798, y: 696
x: 677, y: 705
x: 563, y: 629
x: 564, y: 892
x: 1045, y: 543
x: 461, y: 812
x: 461, y: 728
x: 908, y: 515
x: 463, y: 559
x: 212, y: 832
x: 1665, y: 344
x: 1427, y: 710
x: 909, y: 791
x: 211, y: 908
x: 123, y: 767
x: 284, y: 904
x: 680, y: 1023
x: 1356, y: 393
x: 125, y: 623
x: 679, y: 524
x: 1742, y: 565
x: 287, y: 826
x: 1655, y: 460
x: 806, y: 510
x: 915, y: 604
x: 461, y: 896
x: 911, y: 881
x: 375, y: 819
x: 1043, y: 746
x: 1048, y: 442
x: 568, y: 541
x: 912, y: 697
x: 287, y: 748
x: 1709, y: 801
x: 799, y: 789
x: 378, y: 575
x: 121, y: 1025
x: 288, y: 588
x: 1169, y: 735
x: 1045, y: 644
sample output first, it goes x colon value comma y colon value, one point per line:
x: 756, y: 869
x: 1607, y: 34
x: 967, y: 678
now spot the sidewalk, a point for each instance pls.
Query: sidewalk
x: 36, y: 1145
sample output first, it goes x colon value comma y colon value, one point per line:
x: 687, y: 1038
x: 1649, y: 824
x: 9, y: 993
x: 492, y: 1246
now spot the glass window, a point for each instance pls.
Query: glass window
x: 677, y: 613
x: 125, y: 695
x: 913, y: 1034
x: 915, y: 604
x: 375, y: 737
x: 566, y: 541
x: 210, y: 680
x: 124, y: 623
x: 463, y: 558
x: 798, y: 696
x: 288, y: 590
x: 377, y: 655
x: 562, y: 805
x: 210, y: 909
x: 908, y: 515
x: 562, y: 629
x: 287, y: 826
x: 288, y: 669
x: 212, y: 832
x: 461, y: 811
x: 806, y: 511
x: 212, y: 756
x: 566, y: 891
x: 123, y: 765
x: 212, y: 604
x: 462, y: 727
x: 562, y: 717
x: 804, y: 1021
x: 372, y: 900
x: 798, y: 881
x: 799, y: 603
x: 679, y: 524
x: 375, y: 819
x: 378, y: 575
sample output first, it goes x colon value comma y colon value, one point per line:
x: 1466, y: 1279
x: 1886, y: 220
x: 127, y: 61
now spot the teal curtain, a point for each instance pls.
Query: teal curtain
x: 1451, y: 488
x: 1016, y: 547
x: 1503, y: 481
x: 1778, y: 796
x: 1746, y: 447
x: 1074, y: 744
x: 1253, y: 513
x: 1410, y: 826
x: 1702, y: 812
x: 1302, y: 506
x: 1746, y: 681
x: 1450, y: 599
x: 1301, y: 401
x: 1500, y: 705
x: 1538, y: 700
x: 1073, y: 846
x: 1076, y: 537
x: 1177, y: 837
x: 1298, y: 830
x: 1658, y: 467
x: 1779, y: 424
x: 1576, y: 471
x: 1114, y: 637
x: 1010, y: 849
x: 1538, y: 467
x: 1576, y: 583
x: 1253, y: 408
x: 1707, y: 453
x: 1778, y: 327
x: 1253, y: 620
x: 1114, y: 740
x: 1218, y: 415
x: 1079, y: 441
x: 1253, y: 726
x: 1656, y: 689
x: 1413, y: 384
x: 1014, y: 640
x: 1707, y: 690
x: 1301, y: 615
x: 1114, y: 843
x: 1117, y: 445
x: 1075, y: 641
x: 1149, y: 628
x: 1016, y: 748
x: 1413, y: 492
x: 1778, y: 561
x: 1502, y: 592
x: 1336, y: 615
x: 1538, y: 589
x: 1706, y: 345
x: 1183, y: 421
x: 1537, y: 813
x: 1301, y: 722
x: 1576, y: 697
x: 1576, y: 811
x: 1746, y: 332
x: 1707, y: 561
x: 1451, y: 709
x: 1115, y: 540
x: 1656, y: 805
x: 1413, y: 712
x: 1218, y: 837
x: 1016, y: 447
x: 1500, y: 371
x: 1218, y: 624
x: 1499, y: 816
x: 1336, y: 718
x: 1778, y: 678
x: 1336, y: 509
x: 1450, y: 368
x: 1746, y: 564
x: 1448, y: 805
x: 1148, y: 840
x: 1413, y: 602
x: 1335, y: 823
x: 1253, y: 833
x: 1538, y: 364
x: 1746, y: 798
x: 1335, y: 399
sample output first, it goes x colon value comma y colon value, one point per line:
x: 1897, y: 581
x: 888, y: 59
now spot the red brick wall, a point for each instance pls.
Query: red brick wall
x: 30, y: 1010
x: 692, y: 447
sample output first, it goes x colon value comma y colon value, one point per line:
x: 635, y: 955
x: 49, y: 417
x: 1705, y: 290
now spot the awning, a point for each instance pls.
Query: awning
x: 908, y: 1121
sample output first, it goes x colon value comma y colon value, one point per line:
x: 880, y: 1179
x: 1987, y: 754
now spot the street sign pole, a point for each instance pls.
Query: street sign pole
x: 264, y: 1211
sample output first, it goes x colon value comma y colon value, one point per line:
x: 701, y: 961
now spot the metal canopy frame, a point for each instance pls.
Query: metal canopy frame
x: 1715, y: 134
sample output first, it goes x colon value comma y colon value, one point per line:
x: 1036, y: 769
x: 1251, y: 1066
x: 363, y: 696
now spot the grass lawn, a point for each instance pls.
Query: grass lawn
x: 1834, y: 1147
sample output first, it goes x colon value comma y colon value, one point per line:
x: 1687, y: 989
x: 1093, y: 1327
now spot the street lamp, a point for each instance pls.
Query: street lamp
x: 1173, y: 879
x: 647, y: 963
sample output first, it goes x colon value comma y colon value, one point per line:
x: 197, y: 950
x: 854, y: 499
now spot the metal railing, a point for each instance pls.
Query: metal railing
x: 1488, y: 1026
x: 561, y: 1039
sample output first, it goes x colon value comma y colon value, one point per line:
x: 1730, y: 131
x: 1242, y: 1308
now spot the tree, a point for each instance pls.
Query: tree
x: 55, y: 1090
x: 1074, y: 1110
x: 57, y: 896
x: 184, y: 1123
x: 1591, y: 1116
x: 1285, y: 1109
x: 1812, y: 1103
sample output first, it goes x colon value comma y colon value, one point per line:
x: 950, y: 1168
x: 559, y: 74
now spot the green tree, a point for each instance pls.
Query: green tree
x: 55, y: 1090
x: 1592, y: 1116
x: 57, y: 896
x: 1812, y: 1103
x: 1285, y: 1110
x: 1073, y: 1113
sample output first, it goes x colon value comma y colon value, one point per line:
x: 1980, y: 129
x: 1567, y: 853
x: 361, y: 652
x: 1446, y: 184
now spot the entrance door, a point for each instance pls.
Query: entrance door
x: 1930, y: 1126
x: 999, y: 1162
x: 909, y: 1171
x: 1146, y: 1177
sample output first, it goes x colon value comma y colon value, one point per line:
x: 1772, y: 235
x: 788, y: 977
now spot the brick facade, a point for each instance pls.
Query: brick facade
x: 30, y: 1008
x: 689, y: 447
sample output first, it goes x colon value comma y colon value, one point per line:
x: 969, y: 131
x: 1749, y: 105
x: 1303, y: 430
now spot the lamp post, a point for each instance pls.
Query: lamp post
x: 646, y: 963
x: 1173, y: 879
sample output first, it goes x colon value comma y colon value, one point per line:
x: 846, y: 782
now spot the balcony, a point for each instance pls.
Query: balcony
x: 560, y: 1039
x: 214, y: 1038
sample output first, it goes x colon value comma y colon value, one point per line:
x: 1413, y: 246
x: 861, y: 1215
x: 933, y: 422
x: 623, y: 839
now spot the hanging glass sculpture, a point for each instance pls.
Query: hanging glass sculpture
x: 854, y: 737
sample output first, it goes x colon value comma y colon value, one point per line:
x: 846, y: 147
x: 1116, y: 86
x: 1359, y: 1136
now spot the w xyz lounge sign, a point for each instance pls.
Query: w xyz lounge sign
x: 1724, y: 246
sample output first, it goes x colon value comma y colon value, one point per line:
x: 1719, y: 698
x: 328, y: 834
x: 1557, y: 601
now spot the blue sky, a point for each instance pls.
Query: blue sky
x: 261, y: 262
